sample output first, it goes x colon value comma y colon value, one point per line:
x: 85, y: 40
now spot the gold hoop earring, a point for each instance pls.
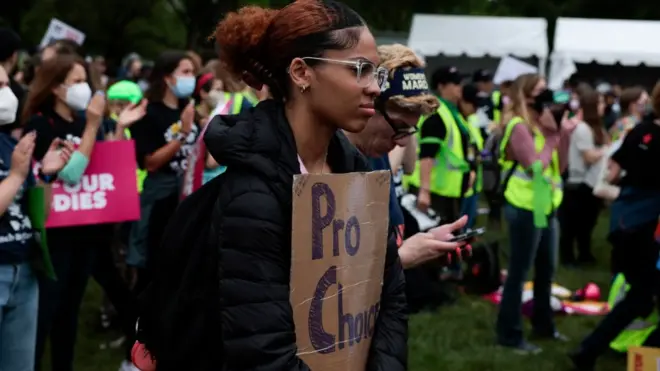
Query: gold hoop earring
x: 303, y: 88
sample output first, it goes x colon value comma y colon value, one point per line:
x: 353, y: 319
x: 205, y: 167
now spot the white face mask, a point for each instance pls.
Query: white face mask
x: 8, y: 106
x: 215, y: 97
x: 78, y: 96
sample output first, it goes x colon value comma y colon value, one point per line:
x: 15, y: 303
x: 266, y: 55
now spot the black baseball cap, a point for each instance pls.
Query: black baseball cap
x: 482, y: 75
x: 446, y: 75
x: 10, y: 43
x: 470, y: 94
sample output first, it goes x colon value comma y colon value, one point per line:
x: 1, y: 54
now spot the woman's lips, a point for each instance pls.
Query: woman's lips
x: 367, y: 109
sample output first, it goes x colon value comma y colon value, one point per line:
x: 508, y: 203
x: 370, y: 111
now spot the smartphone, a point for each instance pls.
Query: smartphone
x: 469, y: 235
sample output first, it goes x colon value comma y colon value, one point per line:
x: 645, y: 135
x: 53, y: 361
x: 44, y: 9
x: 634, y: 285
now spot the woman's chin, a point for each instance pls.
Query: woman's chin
x: 355, y: 126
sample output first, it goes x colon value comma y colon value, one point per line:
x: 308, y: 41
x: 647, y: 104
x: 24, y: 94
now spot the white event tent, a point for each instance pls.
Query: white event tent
x: 483, y: 40
x: 606, y: 42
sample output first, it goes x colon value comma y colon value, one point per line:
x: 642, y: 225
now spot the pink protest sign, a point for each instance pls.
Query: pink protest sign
x: 107, y: 192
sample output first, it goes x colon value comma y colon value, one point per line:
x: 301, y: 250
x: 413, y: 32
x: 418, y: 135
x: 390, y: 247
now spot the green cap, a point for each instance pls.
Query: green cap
x: 125, y: 90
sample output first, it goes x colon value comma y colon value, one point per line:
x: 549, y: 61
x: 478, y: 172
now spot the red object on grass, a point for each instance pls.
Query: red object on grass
x: 142, y: 358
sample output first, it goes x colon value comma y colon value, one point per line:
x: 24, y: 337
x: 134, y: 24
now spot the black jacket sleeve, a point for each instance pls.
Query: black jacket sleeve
x: 258, y: 330
x: 389, y: 347
x: 389, y: 350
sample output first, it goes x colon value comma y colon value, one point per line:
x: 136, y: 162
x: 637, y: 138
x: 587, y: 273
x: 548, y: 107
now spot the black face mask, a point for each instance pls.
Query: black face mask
x: 558, y: 114
x: 543, y: 100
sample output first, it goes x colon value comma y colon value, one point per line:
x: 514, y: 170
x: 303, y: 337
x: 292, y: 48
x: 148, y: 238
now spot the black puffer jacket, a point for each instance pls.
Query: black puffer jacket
x: 251, y: 223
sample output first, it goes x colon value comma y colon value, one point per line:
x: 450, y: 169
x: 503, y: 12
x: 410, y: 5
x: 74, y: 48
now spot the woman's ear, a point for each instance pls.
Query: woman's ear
x: 170, y: 80
x: 300, y: 74
x: 59, y: 91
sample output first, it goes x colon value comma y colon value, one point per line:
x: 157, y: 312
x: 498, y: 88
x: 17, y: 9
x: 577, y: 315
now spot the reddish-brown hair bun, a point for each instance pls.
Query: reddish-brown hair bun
x: 239, y: 36
x: 258, y: 44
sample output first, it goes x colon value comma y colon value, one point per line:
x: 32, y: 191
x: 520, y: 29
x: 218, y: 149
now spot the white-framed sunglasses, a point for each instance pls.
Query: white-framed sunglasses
x: 365, y: 71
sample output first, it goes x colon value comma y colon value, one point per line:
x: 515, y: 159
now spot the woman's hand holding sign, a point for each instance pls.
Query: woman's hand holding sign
x: 426, y: 246
x: 57, y: 156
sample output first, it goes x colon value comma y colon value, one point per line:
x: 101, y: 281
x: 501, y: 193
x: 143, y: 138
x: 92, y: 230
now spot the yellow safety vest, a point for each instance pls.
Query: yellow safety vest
x: 237, y: 104
x: 636, y: 333
x: 141, y: 173
x: 496, y: 98
x: 249, y: 95
x: 519, y: 191
x: 450, y: 165
x: 477, y: 141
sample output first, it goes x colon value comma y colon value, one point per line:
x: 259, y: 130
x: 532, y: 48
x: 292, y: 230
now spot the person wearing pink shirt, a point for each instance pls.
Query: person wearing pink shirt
x: 534, y: 154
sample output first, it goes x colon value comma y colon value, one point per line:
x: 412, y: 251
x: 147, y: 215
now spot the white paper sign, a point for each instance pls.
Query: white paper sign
x: 510, y: 68
x: 561, y: 69
x: 58, y: 30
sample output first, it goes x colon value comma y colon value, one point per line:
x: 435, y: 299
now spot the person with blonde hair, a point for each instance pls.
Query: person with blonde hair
x: 389, y: 134
x: 398, y: 109
x: 534, y: 149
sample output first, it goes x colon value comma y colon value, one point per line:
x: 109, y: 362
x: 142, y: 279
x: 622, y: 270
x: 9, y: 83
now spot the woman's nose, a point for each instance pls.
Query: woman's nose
x: 373, y: 89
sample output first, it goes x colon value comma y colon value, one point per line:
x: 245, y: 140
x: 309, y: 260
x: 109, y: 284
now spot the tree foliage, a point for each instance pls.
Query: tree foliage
x: 117, y: 27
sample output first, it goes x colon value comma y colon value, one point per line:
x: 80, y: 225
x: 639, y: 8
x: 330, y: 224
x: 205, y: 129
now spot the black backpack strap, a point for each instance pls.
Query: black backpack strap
x: 502, y: 187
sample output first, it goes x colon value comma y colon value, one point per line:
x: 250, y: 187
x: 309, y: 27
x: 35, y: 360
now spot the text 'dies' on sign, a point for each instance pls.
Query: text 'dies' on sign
x: 339, y: 239
x: 106, y: 193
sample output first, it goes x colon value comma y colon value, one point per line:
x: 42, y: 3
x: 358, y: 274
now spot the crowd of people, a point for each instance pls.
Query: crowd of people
x: 305, y: 89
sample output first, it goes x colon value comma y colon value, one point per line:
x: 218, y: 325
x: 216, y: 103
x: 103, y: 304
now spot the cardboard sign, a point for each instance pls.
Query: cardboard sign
x: 194, y: 174
x: 58, y: 30
x: 643, y: 359
x: 107, y: 192
x: 339, y: 239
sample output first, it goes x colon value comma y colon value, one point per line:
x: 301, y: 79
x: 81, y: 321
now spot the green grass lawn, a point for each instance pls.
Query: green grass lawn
x: 456, y: 338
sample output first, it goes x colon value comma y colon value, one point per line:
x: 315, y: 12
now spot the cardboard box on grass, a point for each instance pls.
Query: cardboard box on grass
x: 339, y: 240
x: 643, y: 359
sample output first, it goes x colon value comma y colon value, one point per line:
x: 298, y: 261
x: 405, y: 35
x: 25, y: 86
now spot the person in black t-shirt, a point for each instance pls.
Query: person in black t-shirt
x: 56, y: 98
x: 164, y: 139
x: 19, y: 287
x: 639, y: 150
x: 634, y: 219
x: 447, y: 82
x: 10, y: 44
